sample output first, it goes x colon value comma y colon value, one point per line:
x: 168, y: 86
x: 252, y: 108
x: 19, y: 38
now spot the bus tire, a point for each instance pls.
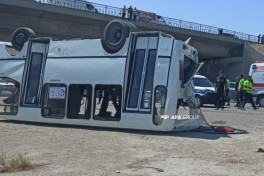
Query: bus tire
x: 20, y: 36
x: 115, y: 35
x: 131, y: 27
x: 261, y: 101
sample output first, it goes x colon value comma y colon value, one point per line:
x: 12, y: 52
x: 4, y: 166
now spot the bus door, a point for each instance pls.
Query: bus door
x: 140, y: 75
x: 33, y: 74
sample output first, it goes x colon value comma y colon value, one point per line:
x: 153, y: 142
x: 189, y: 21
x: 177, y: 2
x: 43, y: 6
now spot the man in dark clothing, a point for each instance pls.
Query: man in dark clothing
x: 227, y: 91
x: 220, y: 89
x: 241, y: 89
x: 130, y: 13
x: 237, y: 92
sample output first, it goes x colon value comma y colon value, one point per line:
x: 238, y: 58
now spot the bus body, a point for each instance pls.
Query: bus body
x: 77, y: 82
x: 256, y: 71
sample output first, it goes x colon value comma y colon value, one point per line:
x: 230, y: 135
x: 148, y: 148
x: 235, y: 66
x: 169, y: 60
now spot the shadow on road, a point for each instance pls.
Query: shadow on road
x: 213, y: 107
x: 186, y: 134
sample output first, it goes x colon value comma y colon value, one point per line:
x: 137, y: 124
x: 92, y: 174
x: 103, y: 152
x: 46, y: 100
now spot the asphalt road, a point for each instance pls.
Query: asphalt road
x: 68, y: 150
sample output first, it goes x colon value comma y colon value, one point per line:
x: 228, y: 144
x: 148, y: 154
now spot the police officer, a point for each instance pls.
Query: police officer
x: 236, y: 91
x: 248, y: 85
x: 227, y: 90
x: 220, y: 89
x: 241, y: 90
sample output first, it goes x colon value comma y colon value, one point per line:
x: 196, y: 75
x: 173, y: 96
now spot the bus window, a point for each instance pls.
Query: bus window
x: 159, y: 105
x: 34, y: 78
x: 136, y: 78
x: 9, y: 96
x: 108, y: 102
x: 149, y: 78
x: 79, y: 101
x: 54, y: 101
x: 258, y: 77
x: 189, y: 68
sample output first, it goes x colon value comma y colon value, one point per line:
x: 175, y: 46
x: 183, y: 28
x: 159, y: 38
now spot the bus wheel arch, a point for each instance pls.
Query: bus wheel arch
x: 20, y: 36
x: 115, y: 35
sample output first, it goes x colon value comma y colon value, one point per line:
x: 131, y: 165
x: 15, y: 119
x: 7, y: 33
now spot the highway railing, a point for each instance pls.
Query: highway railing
x: 114, y: 11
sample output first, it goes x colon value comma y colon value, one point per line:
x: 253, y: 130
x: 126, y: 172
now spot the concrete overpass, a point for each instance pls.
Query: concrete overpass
x: 217, y: 51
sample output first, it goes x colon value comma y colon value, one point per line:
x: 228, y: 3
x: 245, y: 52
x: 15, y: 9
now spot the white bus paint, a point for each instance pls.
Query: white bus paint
x: 81, y: 62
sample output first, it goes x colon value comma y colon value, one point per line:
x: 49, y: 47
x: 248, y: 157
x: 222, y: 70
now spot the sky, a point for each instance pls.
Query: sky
x: 246, y: 16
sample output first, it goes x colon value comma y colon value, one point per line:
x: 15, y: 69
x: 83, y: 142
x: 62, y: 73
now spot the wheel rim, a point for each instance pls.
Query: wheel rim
x: 198, y: 101
x: 115, y: 34
x: 20, y: 39
x: 261, y: 101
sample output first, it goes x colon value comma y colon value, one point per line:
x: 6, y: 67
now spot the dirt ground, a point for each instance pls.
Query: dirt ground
x: 85, y: 151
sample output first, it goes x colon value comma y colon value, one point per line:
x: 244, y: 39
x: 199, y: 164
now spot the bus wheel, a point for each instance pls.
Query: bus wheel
x: 261, y: 101
x: 20, y: 36
x: 115, y: 35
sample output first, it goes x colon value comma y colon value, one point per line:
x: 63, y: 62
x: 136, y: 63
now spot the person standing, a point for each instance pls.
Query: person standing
x: 248, y: 84
x: 124, y: 12
x: 130, y: 13
x: 241, y: 90
x: 227, y: 91
x: 259, y: 38
x: 220, y: 89
x: 236, y: 92
x: 135, y: 14
x: 220, y: 31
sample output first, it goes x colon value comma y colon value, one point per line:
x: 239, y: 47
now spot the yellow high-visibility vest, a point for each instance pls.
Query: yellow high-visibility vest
x: 228, y: 83
x: 241, y: 84
x: 248, y: 86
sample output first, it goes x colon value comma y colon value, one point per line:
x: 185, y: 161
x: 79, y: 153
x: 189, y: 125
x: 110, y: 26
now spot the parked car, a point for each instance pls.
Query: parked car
x: 204, y: 91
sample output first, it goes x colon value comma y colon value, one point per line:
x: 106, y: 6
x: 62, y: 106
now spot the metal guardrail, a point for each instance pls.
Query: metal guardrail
x: 114, y: 11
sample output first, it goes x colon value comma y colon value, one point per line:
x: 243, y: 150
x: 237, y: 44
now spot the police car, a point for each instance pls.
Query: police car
x: 204, y: 91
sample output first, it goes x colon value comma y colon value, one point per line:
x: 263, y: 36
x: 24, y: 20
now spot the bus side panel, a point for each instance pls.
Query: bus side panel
x: 86, y: 71
x: 12, y: 69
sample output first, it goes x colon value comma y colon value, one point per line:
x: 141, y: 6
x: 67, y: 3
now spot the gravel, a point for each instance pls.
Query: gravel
x: 71, y: 150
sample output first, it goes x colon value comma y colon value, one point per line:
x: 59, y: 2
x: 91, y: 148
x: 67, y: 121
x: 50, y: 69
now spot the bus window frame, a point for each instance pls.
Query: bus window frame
x: 44, y: 99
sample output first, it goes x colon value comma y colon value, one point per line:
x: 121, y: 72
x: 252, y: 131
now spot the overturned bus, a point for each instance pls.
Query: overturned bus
x: 127, y: 79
